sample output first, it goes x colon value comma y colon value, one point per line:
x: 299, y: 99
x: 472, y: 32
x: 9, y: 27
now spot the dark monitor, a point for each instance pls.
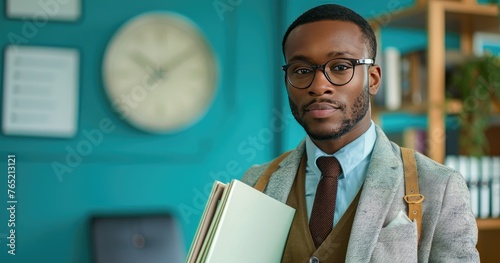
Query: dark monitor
x: 134, y: 239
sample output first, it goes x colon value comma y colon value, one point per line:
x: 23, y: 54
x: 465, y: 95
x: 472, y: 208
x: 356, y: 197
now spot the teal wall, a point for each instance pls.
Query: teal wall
x: 132, y: 172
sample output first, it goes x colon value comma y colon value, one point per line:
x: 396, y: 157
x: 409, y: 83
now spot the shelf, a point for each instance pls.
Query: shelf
x: 454, y: 106
x: 439, y: 17
x: 488, y: 224
x: 405, y: 108
x: 480, y: 17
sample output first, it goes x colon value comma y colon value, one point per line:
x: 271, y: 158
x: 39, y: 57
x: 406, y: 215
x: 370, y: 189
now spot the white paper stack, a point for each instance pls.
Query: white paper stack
x: 246, y: 227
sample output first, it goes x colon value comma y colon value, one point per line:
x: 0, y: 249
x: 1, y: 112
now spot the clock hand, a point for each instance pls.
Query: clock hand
x: 179, y: 59
x: 141, y: 60
x: 155, y: 74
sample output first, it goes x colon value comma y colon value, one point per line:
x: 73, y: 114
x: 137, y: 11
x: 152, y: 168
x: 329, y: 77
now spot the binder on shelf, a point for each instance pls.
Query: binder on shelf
x: 240, y: 224
x: 469, y: 168
x: 416, y: 139
x: 482, y: 176
x: 495, y: 188
x: 473, y: 184
x: 484, y: 199
x: 452, y: 162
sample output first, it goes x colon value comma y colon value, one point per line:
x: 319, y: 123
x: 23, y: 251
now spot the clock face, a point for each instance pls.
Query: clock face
x: 160, y: 73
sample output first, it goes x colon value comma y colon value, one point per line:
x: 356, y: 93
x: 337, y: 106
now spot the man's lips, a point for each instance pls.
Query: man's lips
x: 321, y: 106
x: 321, y: 109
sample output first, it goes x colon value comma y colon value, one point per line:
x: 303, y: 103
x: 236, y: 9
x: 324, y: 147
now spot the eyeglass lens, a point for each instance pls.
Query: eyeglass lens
x: 338, y: 71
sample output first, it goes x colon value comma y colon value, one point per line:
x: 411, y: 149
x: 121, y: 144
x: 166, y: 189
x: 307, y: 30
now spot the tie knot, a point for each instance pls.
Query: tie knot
x: 329, y: 166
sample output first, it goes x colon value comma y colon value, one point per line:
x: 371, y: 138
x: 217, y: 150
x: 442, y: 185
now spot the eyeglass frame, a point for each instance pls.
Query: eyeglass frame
x: 355, y: 62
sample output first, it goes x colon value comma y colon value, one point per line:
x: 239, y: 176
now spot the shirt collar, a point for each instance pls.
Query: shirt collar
x: 348, y: 156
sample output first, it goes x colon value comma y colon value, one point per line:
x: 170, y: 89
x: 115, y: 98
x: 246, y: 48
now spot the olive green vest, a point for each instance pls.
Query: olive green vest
x: 299, y: 247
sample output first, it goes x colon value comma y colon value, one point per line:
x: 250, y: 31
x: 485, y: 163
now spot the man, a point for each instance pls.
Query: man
x: 330, y: 73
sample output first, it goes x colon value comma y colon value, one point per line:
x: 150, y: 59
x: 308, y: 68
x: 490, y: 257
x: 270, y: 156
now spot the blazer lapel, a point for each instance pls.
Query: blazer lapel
x: 282, y: 179
x: 379, y: 189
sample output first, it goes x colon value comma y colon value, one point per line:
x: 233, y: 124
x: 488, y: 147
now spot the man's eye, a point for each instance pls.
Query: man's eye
x: 302, y: 71
x: 340, y: 67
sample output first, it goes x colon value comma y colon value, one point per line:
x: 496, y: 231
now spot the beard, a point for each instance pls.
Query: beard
x: 349, y: 119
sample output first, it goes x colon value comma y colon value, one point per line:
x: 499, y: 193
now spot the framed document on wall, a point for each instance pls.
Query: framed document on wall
x: 40, y: 95
x: 67, y: 10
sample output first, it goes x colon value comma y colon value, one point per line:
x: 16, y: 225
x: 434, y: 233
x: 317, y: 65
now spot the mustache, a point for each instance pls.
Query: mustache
x: 337, y: 103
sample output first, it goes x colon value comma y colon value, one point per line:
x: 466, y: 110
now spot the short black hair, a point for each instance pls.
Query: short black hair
x: 336, y: 13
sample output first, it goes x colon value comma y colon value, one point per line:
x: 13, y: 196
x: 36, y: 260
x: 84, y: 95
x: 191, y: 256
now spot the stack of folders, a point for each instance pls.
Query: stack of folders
x: 240, y: 224
x: 482, y: 175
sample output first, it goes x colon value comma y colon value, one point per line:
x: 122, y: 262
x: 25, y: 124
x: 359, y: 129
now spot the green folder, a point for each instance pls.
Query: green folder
x: 241, y: 224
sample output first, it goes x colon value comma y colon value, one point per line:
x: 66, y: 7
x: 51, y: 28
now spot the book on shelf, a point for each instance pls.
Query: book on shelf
x: 485, y: 189
x: 416, y: 139
x: 240, y: 224
x: 482, y: 175
x: 495, y: 188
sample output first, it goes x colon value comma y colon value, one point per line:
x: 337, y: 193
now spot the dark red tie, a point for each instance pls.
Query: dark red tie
x: 321, y: 221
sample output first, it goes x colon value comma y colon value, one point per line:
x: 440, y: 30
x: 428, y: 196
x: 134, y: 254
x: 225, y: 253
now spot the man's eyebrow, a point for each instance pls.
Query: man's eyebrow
x: 330, y: 55
x: 299, y: 57
x: 339, y: 53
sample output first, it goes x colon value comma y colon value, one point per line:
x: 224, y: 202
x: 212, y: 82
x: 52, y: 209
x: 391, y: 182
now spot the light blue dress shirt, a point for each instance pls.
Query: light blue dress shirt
x: 354, y: 159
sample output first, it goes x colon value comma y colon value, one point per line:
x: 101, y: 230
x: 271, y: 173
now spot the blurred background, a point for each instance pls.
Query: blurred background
x: 81, y: 159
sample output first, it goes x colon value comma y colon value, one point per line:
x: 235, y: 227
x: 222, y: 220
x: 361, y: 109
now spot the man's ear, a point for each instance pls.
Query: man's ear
x: 374, y: 79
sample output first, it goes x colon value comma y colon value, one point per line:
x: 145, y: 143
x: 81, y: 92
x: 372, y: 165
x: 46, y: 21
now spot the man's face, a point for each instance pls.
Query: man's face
x: 324, y: 110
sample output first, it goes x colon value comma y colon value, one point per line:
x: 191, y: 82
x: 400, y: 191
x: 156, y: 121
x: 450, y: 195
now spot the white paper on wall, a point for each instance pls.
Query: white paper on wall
x: 41, y: 11
x: 40, y: 91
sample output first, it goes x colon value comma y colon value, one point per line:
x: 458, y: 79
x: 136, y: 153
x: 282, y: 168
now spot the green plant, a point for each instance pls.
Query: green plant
x: 478, y: 80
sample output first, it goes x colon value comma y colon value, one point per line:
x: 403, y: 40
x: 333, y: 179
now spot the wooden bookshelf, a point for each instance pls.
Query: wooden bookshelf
x: 489, y: 236
x: 488, y: 224
x: 438, y: 17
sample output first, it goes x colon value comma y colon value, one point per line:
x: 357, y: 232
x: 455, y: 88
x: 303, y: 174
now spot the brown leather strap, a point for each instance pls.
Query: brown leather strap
x: 413, y: 198
x: 266, y: 175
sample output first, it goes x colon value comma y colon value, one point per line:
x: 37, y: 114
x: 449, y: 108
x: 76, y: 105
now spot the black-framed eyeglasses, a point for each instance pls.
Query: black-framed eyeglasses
x: 339, y: 71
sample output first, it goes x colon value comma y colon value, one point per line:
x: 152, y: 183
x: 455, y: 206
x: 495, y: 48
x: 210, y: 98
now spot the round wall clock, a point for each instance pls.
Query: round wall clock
x: 160, y: 73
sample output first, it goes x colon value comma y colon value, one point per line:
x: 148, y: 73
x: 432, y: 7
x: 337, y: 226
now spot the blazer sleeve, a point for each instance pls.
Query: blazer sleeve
x: 455, y: 235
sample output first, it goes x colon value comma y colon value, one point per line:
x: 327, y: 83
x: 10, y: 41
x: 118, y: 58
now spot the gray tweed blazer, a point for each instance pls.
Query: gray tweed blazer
x: 381, y: 231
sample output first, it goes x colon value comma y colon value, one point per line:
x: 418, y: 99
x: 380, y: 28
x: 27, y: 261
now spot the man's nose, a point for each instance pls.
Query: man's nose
x: 320, y: 85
